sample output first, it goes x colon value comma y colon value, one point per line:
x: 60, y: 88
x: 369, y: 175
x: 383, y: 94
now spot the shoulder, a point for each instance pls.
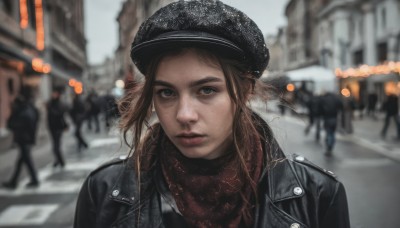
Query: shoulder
x: 100, y: 182
x: 324, y: 189
x: 109, y: 169
x: 302, y: 164
x: 316, y: 180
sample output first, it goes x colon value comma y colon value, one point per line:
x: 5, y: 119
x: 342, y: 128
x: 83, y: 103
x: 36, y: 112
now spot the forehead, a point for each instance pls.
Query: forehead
x: 188, y: 64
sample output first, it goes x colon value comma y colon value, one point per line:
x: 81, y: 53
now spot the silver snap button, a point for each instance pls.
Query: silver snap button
x: 330, y: 172
x: 122, y: 157
x: 115, y: 193
x: 295, y: 225
x: 299, y: 158
x: 297, y: 191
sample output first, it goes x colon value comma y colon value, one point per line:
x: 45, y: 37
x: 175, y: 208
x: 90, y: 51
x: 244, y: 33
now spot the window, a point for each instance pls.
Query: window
x: 360, y: 27
x: 358, y: 57
x: 293, y: 55
x: 383, y: 17
x: 31, y: 13
x: 351, y: 28
x: 7, y: 6
x: 382, y: 52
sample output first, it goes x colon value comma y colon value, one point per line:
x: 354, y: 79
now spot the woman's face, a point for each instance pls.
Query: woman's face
x: 193, y: 105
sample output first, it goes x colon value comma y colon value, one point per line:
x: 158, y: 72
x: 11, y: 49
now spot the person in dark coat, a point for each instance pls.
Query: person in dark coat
x: 208, y: 160
x: 94, y: 108
x: 110, y: 110
x: 23, y: 123
x: 314, y: 116
x: 57, y: 125
x: 372, y: 100
x: 78, y: 115
x: 330, y: 106
x: 391, y: 107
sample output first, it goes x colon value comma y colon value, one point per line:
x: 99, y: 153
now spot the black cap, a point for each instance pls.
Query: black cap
x: 205, y: 24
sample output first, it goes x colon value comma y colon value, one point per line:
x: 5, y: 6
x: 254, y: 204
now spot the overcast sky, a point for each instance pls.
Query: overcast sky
x: 102, y: 28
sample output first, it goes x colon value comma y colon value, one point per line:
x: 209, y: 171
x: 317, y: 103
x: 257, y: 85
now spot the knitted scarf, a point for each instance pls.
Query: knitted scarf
x: 209, y: 193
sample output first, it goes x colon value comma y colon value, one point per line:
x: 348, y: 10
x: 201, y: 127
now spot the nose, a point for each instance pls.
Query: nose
x: 186, y: 113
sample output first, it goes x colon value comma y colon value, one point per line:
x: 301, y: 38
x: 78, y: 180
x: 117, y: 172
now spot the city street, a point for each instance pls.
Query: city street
x: 368, y: 168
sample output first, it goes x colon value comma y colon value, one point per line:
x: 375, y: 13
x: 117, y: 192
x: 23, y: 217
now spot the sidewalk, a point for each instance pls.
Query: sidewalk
x: 366, y: 130
x: 366, y: 133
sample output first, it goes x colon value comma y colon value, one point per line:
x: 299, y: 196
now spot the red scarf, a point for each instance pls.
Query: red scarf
x: 208, y: 192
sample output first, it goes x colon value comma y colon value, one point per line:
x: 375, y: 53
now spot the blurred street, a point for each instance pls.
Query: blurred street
x: 366, y: 164
x: 52, y: 205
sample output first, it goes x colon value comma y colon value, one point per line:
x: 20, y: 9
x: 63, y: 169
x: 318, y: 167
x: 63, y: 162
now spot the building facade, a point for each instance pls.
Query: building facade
x: 102, y: 76
x: 20, y: 44
x: 132, y: 14
x: 65, y: 42
x: 357, y: 37
x: 301, y: 33
x: 42, y: 45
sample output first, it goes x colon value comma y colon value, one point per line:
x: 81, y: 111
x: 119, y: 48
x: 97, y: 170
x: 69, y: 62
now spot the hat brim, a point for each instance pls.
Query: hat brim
x: 145, y: 51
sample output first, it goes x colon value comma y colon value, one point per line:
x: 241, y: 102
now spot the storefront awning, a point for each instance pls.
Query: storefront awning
x: 323, y: 78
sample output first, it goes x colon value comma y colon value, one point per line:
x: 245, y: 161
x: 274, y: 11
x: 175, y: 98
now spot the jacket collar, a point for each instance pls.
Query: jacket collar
x: 125, y: 188
x: 283, y: 182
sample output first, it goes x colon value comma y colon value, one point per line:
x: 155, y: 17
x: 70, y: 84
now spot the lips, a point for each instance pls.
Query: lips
x: 190, y: 139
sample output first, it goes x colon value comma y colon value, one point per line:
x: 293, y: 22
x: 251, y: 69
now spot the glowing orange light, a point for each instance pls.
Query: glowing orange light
x: 366, y: 71
x: 72, y: 82
x: 46, y: 68
x: 23, y: 11
x: 39, y: 25
x: 290, y: 87
x: 346, y: 92
x: 78, y: 90
x: 37, y: 65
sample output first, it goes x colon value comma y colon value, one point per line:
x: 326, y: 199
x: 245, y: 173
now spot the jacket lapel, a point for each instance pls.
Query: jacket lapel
x: 283, y: 182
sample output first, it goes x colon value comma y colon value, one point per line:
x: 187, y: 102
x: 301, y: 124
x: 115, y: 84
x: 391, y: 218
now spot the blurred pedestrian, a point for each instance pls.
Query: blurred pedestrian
x: 371, y: 109
x: 110, y: 109
x: 349, y: 105
x: 391, y: 107
x: 57, y: 125
x: 23, y: 123
x: 314, y: 118
x: 78, y: 115
x: 94, y: 109
x: 210, y: 161
x: 330, y: 106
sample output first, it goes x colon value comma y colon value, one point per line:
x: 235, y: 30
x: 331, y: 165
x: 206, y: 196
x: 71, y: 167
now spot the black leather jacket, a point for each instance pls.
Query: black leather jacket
x: 294, y: 193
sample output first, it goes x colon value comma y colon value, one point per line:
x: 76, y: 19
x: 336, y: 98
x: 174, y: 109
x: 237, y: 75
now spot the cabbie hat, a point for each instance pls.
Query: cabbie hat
x: 206, y: 24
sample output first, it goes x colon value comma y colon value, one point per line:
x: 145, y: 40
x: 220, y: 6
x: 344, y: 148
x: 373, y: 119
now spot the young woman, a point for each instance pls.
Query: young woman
x: 209, y: 161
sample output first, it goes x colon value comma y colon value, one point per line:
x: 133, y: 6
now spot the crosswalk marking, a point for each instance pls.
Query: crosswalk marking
x: 104, y: 142
x: 80, y: 168
x: 20, y: 215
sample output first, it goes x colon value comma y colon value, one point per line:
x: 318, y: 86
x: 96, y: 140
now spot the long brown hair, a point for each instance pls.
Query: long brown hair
x: 136, y: 109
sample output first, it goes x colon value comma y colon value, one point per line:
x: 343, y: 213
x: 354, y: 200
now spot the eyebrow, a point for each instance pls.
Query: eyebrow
x: 191, y: 84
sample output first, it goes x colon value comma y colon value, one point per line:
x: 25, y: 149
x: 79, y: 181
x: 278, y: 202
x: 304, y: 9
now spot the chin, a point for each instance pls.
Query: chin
x: 194, y: 153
